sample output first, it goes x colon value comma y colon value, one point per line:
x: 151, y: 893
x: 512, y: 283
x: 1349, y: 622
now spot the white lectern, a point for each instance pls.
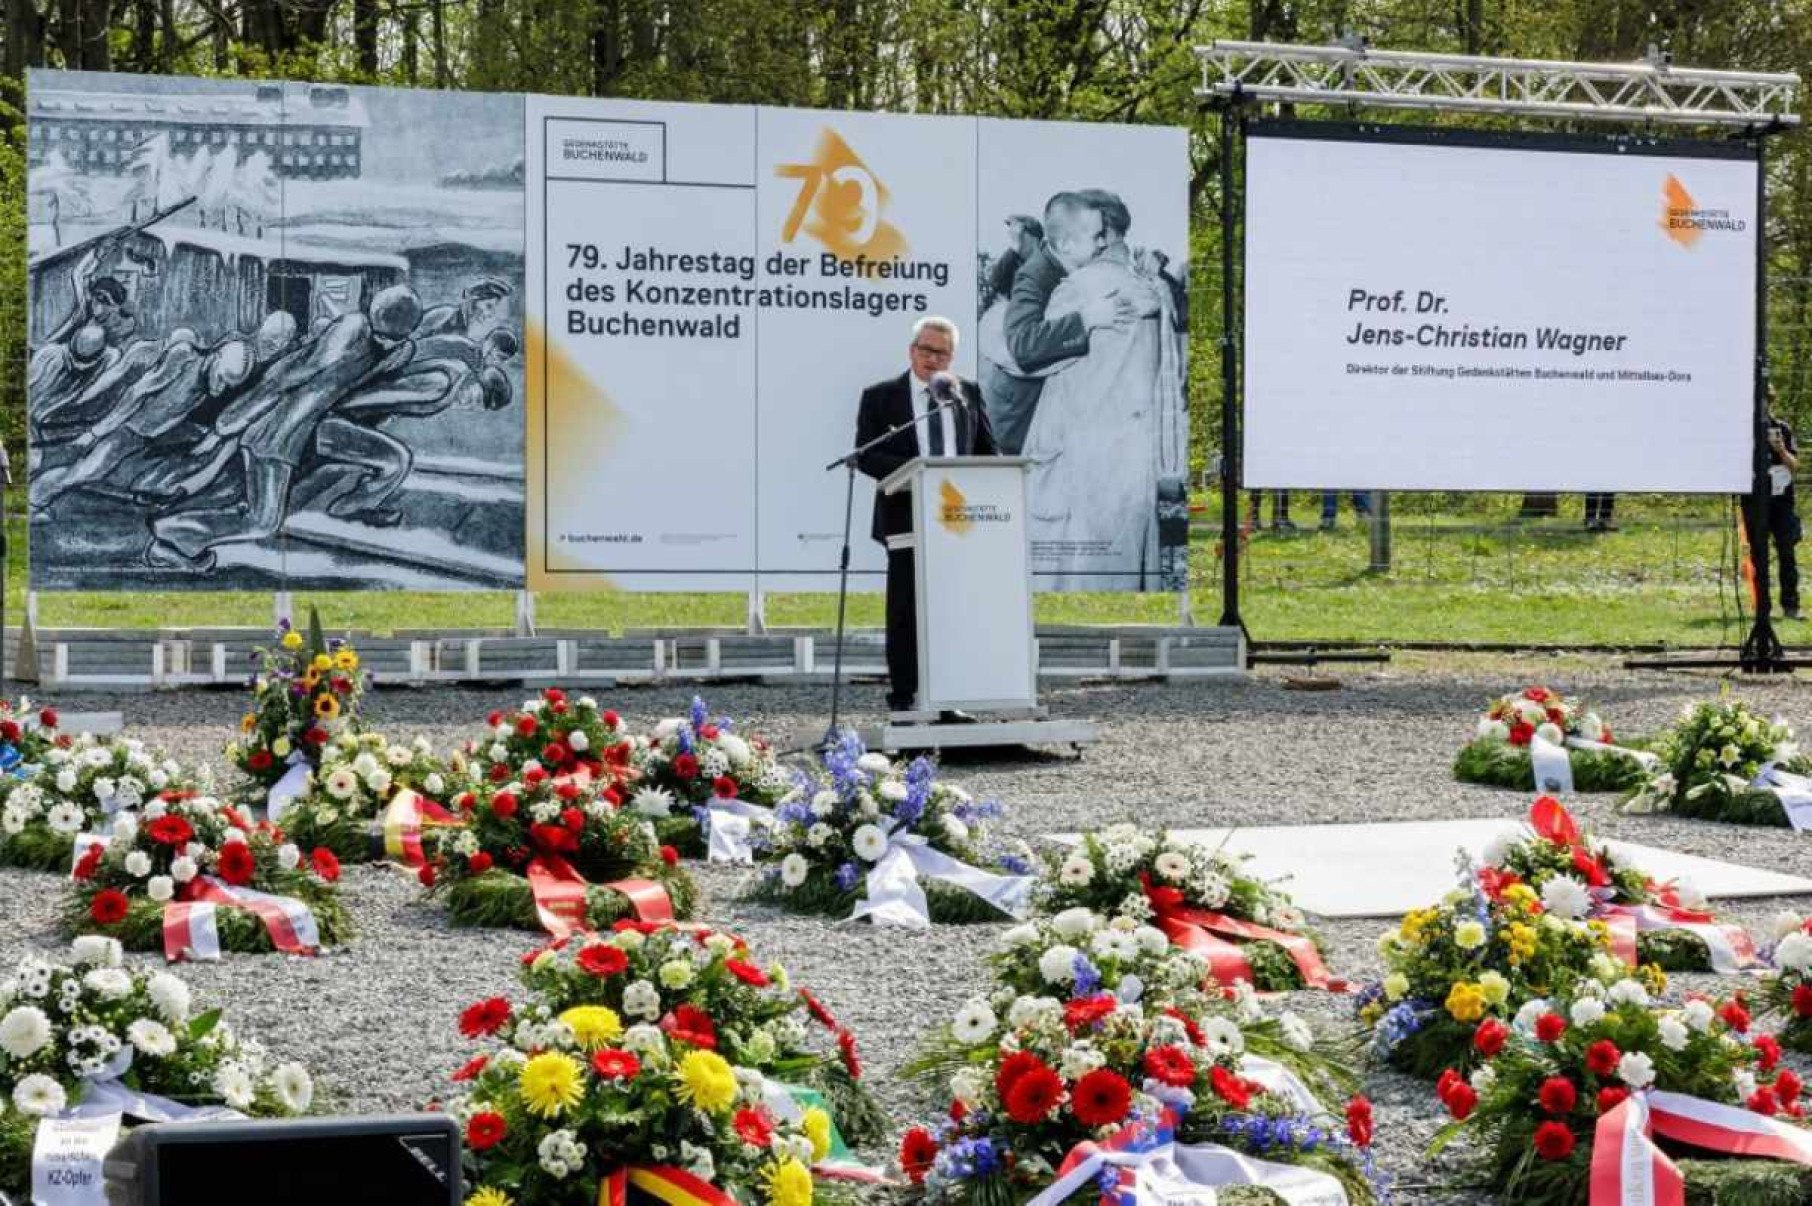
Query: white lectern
x: 973, y: 562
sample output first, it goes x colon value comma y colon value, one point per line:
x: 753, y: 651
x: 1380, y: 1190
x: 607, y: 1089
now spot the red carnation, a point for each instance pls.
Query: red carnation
x: 754, y: 1127
x: 315, y: 735
x: 616, y: 1065
x: 1490, y: 1037
x: 534, y: 774
x: 1610, y: 1097
x: 723, y: 787
x: 553, y: 837
x: 10, y: 730
x: 171, y: 830
x: 573, y: 818
x: 690, y: 1024
x: 603, y: 959
x: 1553, y: 1141
x: 1014, y: 1066
x: 1033, y: 1095
x: 1230, y: 1088
x: 1557, y: 1095
x: 1170, y: 1066
x: 685, y: 766
x: 1521, y: 732
x: 500, y: 772
x: 236, y: 864
x: 1602, y: 1056
x: 479, y: 863
x: 1735, y: 1015
x: 1549, y: 1027
x: 918, y: 1151
x: 1456, y: 1094
x: 485, y: 1017
x: 1787, y: 1085
x: 48, y: 718
x: 846, y: 1047
x: 1101, y: 1098
x: 1085, y: 1012
x: 108, y: 906
x: 748, y: 973
x: 485, y: 1130
x: 566, y: 789
x: 708, y: 732
x: 554, y: 754
x: 1359, y: 1121
x: 611, y: 720
x: 1190, y: 1027
x: 670, y: 855
x: 525, y: 725
x: 1769, y: 1050
x: 503, y: 805
x: 471, y: 1068
x: 259, y: 760
x: 325, y: 864
x: 494, y: 719
x: 89, y: 863
x: 1536, y: 694
x: 1802, y: 1000
x: 553, y: 695
x: 427, y: 875
x: 1763, y: 1101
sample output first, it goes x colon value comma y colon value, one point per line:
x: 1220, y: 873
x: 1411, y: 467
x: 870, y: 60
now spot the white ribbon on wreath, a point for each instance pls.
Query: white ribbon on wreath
x: 728, y: 826
x: 895, y: 896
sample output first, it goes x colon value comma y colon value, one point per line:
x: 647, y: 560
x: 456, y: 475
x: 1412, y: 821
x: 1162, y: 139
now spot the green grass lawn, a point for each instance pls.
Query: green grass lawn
x: 1462, y: 570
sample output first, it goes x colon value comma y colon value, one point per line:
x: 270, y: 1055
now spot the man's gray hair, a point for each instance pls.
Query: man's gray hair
x: 937, y: 323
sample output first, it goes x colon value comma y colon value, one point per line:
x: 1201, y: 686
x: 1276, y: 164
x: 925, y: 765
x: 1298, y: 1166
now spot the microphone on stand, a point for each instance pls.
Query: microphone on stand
x: 947, y: 388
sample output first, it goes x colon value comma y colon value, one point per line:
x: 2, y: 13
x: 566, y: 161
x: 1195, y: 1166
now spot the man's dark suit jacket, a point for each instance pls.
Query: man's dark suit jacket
x: 1034, y: 342
x: 887, y: 404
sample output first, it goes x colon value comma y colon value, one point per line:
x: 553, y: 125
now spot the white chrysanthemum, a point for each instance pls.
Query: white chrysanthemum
x: 824, y: 803
x: 112, y: 983
x: 170, y: 995
x: 183, y: 868
x: 295, y: 1088
x: 870, y: 843
x: 893, y: 791
x: 39, y: 1096
x: 289, y: 856
x: 1499, y: 847
x: 24, y: 1031
x: 96, y: 950
x: 874, y: 764
x: 974, y: 1022
x: 1076, y: 923
x: 1115, y: 944
x: 1058, y: 964
x: 1222, y: 1036
x: 735, y: 749
x: 652, y: 802
x: 641, y: 999
x: 1024, y: 934
x: 1172, y: 865
x: 151, y: 1037
x: 66, y: 817
x: 1636, y: 1070
x: 794, y: 869
x: 342, y: 783
x: 1587, y: 1011
x: 1493, y: 730
x: 1151, y: 939
x: 1296, y: 1032
x: 645, y: 1040
x: 1079, y: 1059
x: 819, y: 834
x: 1628, y: 992
x: 1673, y: 1032
x: 675, y: 973
x: 1565, y: 896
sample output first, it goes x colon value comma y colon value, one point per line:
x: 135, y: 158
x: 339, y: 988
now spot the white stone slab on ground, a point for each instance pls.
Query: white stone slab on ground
x: 101, y: 724
x: 1388, y: 868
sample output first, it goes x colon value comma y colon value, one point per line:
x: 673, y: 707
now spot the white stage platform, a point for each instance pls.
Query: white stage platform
x: 1389, y: 868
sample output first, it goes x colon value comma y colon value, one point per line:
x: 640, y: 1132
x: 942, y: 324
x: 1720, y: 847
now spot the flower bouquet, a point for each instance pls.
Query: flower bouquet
x: 666, y: 1091
x: 1714, y: 765
x: 94, y: 1034
x: 1099, y: 1032
x: 561, y: 735
x: 344, y: 807
x: 1471, y: 957
x: 1499, y: 753
x: 704, y: 785
x: 551, y: 852
x: 1665, y: 924
x: 78, y: 787
x: 886, y: 840
x: 303, y: 692
x: 1198, y: 896
x: 1564, y: 1105
x: 160, y: 880
x: 24, y: 737
x: 1786, y: 991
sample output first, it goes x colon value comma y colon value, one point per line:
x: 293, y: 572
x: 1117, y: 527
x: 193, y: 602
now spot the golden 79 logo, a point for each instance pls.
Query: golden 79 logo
x: 841, y: 203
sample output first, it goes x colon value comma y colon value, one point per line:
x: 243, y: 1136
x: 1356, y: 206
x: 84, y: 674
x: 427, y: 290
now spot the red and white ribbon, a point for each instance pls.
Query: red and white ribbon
x: 1204, y: 933
x: 191, y: 932
x: 1628, y: 1169
x: 1173, y: 1172
x: 1730, y: 947
x: 559, y: 892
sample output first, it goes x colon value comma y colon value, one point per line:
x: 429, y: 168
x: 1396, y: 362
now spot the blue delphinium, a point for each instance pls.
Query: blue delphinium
x: 1404, y: 1019
x: 699, y: 714
x: 969, y: 1159
x: 847, y: 875
x: 1088, y: 979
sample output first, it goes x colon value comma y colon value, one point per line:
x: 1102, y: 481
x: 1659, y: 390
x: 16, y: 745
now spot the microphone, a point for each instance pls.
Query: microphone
x: 946, y: 387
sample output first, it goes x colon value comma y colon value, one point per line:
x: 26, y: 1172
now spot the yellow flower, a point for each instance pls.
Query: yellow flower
x: 1653, y: 978
x: 321, y: 664
x: 593, y: 1026
x: 1469, y: 935
x: 292, y: 639
x: 346, y: 659
x: 327, y: 707
x: 488, y: 1196
x: 310, y: 680
x: 1465, y: 1002
x: 1396, y: 985
x: 817, y: 1127
x: 1413, y: 923
x: 552, y: 1083
x: 1522, y: 940
x: 248, y: 722
x: 1495, y: 988
x: 1520, y: 894
x: 707, y: 1081
x: 789, y: 1183
x: 280, y: 747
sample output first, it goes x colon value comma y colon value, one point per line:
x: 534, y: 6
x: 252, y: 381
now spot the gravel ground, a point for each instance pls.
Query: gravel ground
x: 375, y: 1020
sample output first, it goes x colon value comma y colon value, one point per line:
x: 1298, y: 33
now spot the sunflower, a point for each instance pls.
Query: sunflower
x: 248, y: 722
x: 593, y: 1026
x: 490, y: 1197
x: 817, y: 1127
x: 310, y: 680
x: 707, y: 1081
x: 327, y: 707
x: 789, y: 1183
x: 552, y: 1083
x: 346, y: 660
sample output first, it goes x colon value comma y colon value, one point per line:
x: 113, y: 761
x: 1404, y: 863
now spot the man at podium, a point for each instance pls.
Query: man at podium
x: 950, y: 422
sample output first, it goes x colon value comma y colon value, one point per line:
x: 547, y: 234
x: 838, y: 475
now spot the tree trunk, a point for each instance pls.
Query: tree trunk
x: 365, y: 35
x: 607, y: 47
x: 411, y: 23
x: 437, y: 16
x: 24, y: 46
x: 95, y: 24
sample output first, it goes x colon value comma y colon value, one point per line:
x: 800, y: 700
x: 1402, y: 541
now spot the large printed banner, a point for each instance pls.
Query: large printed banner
x: 290, y: 335
x: 710, y: 290
x: 1429, y: 311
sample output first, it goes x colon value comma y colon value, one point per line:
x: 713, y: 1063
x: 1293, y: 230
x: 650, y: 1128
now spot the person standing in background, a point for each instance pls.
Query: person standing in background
x: 1783, y: 514
x: 1598, y: 512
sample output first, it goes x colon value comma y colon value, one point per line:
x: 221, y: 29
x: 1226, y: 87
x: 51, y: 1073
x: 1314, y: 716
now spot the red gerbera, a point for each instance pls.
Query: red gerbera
x: 748, y: 973
x: 1014, y: 1066
x: 1610, y: 1097
x: 258, y: 760
x: 690, y: 1024
x: 1549, y: 1027
x: 1490, y: 1037
x: 108, y: 906
x: 1787, y: 1086
x: 685, y: 766
x: 1170, y: 1066
x: 1033, y: 1095
x: 485, y: 1017
x: 754, y: 1127
x: 1735, y: 1014
x: 485, y: 1130
x: 1230, y: 1088
x: 616, y: 1065
x: 90, y: 862
x: 1769, y: 1049
x: 723, y: 787
x: 479, y: 863
x: 603, y: 959
x: 10, y: 730
x: 170, y: 830
x: 471, y: 1068
x: 503, y: 804
x: 1084, y: 1012
x: 1602, y: 1056
x: 1557, y: 1095
x: 918, y: 1151
x: 236, y: 864
x: 670, y: 855
x: 525, y: 725
x: 1553, y: 1141
x: 1359, y: 1121
x: 1100, y: 1098
x: 325, y: 864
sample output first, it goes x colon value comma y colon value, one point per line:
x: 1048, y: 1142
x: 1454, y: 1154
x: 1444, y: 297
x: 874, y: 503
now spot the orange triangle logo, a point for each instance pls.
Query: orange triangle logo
x: 1677, y: 207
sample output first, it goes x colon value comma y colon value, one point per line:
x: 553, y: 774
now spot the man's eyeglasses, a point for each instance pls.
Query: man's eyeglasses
x: 940, y: 353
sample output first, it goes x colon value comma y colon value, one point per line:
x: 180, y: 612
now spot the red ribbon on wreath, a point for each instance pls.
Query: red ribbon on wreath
x: 559, y: 893
x: 1199, y: 931
x: 663, y: 1182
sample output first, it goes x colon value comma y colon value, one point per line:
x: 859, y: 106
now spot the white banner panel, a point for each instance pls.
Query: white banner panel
x: 1533, y: 315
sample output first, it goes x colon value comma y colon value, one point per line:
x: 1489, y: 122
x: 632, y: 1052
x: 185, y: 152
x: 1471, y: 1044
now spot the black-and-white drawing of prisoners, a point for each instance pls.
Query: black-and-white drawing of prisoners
x: 276, y: 335
x: 1084, y: 352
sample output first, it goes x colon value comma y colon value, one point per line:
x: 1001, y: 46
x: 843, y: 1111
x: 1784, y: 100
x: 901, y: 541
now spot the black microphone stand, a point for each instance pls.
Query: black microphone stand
x: 848, y: 460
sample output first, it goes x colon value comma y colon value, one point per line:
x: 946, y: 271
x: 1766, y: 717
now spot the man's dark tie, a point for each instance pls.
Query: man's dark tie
x: 934, y: 425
